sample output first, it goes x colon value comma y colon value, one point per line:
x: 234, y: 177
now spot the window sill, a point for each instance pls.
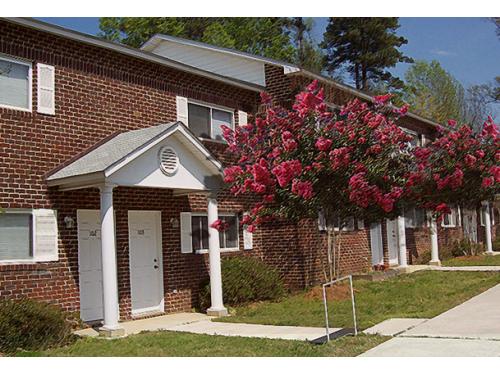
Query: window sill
x: 15, y: 262
x: 448, y: 226
x: 13, y: 108
x: 228, y: 250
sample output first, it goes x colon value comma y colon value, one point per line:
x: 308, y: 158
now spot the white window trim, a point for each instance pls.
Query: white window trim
x: 222, y: 249
x: 454, y: 215
x: 30, y: 83
x: 33, y: 237
x: 413, y: 212
x: 211, y: 107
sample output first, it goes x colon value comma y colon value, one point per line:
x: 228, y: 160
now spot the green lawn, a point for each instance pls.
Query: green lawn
x: 480, y: 260
x: 418, y: 295
x: 173, y: 344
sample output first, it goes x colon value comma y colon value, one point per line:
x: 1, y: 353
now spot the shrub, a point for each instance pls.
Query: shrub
x: 32, y: 325
x: 465, y: 247
x: 245, y: 279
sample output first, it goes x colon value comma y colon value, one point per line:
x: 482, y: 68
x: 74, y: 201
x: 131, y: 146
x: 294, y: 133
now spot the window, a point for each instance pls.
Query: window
x: 206, y: 122
x: 415, y: 139
x: 414, y: 218
x: 228, y: 240
x: 450, y: 220
x: 337, y: 223
x: 16, y: 236
x: 15, y: 84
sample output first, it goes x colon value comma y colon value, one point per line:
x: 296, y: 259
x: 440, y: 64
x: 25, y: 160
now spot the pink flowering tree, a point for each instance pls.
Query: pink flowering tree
x: 351, y: 162
x: 459, y: 167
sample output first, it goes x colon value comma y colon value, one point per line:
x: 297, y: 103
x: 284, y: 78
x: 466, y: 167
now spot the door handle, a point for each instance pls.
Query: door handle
x: 156, y: 267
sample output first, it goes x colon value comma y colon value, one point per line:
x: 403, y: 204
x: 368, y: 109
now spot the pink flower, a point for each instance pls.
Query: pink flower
x: 220, y: 225
x: 302, y: 189
x: 443, y: 208
x: 452, y: 123
x: 250, y: 228
x: 382, y: 99
x: 402, y: 110
x: 470, y: 160
x: 286, y: 171
x: 487, y: 182
x: 323, y: 144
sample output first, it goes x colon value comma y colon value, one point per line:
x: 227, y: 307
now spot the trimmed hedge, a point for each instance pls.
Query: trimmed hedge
x: 32, y: 325
x: 245, y: 279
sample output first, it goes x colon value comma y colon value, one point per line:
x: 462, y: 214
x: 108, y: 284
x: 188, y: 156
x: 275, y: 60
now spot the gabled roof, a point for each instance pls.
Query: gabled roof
x: 152, y: 42
x: 129, y: 51
x: 114, y: 153
x: 288, y: 68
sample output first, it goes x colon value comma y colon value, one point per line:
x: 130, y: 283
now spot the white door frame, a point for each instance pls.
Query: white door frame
x: 376, y: 244
x: 161, y: 306
x: 78, y: 223
x: 392, y: 245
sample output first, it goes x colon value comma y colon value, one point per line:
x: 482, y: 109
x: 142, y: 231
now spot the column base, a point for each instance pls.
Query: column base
x: 435, y: 263
x: 217, y: 311
x: 490, y: 253
x: 111, y: 333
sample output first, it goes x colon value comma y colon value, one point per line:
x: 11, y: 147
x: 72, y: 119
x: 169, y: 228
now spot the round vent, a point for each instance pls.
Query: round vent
x: 169, y: 162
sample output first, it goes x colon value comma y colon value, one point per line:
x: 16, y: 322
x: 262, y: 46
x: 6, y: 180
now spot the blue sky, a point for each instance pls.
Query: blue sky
x: 467, y: 47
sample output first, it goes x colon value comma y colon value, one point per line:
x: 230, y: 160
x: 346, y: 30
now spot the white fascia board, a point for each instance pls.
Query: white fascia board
x: 141, y: 150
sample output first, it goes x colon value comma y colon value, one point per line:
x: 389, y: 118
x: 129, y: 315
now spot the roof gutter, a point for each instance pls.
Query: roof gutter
x: 353, y: 91
x: 129, y: 51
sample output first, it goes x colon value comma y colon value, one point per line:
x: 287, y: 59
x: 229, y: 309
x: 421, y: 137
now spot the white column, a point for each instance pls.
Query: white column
x: 217, y: 308
x: 434, y: 243
x: 487, y: 228
x: 403, y: 262
x: 108, y: 251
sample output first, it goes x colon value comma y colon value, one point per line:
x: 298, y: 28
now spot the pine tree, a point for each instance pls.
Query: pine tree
x: 366, y: 47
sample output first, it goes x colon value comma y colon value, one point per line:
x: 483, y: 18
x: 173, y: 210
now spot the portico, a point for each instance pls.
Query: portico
x: 166, y: 156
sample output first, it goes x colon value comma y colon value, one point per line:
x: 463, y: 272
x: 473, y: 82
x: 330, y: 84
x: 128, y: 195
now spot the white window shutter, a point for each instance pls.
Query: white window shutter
x: 361, y: 224
x: 45, y: 235
x: 186, y: 240
x: 242, y: 118
x: 322, y: 227
x: 182, y: 109
x: 247, y: 237
x: 46, y: 89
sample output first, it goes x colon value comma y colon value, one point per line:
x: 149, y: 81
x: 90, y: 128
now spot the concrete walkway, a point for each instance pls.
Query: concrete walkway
x: 467, y: 330
x: 424, y: 267
x: 432, y: 347
x: 477, y: 318
x: 163, y: 322
x: 254, y: 330
x: 202, y: 324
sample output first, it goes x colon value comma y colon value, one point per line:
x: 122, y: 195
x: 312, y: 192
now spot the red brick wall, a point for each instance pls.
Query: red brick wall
x: 99, y: 92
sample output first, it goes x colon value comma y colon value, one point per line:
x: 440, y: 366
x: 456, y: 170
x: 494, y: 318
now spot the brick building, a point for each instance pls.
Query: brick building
x: 110, y: 171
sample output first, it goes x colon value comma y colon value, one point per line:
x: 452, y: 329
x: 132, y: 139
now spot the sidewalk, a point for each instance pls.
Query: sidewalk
x: 467, y: 330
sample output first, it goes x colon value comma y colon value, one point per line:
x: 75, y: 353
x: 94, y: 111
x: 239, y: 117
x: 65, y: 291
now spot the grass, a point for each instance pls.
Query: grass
x: 174, y: 344
x: 418, y: 295
x: 478, y: 260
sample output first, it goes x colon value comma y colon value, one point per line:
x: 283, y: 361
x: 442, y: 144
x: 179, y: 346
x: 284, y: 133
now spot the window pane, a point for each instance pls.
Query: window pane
x: 15, y: 236
x: 220, y: 118
x: 196, y: 232
x: 231, y: 233
x: 14, y: 84
x: 204, y: 232
x: 199, y: 120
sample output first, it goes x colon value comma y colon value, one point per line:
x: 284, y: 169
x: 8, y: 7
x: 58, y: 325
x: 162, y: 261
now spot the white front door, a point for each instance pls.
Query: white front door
x: 146, y: 270
x: 90, y: 264
x: 392, y: 242
x: 376, y: 244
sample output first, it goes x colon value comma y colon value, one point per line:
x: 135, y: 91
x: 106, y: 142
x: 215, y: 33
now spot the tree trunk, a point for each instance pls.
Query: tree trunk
x: 356, y: 75
x: 364, y: 81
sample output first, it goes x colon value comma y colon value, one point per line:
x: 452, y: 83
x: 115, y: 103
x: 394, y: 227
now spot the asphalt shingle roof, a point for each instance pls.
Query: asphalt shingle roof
x: 112, y: 151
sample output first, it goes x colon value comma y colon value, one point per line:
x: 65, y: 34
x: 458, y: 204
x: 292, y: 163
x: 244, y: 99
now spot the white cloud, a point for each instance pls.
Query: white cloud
x: 441, y: 52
